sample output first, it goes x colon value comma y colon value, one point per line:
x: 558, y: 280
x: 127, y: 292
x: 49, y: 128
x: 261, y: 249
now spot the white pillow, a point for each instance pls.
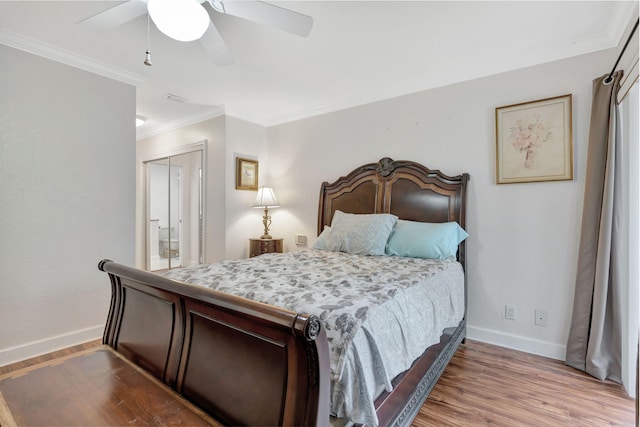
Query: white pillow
x: 321, y: 241
x: 361, y: 234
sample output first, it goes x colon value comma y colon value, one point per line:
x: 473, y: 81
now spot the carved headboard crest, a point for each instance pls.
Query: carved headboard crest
x: 386, y: 166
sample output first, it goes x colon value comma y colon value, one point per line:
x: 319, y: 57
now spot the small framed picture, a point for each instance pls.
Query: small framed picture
x: 246, y: 174
x: 534, y: 141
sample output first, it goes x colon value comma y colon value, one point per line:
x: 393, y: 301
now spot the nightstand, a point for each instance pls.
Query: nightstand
x: 264, y: 246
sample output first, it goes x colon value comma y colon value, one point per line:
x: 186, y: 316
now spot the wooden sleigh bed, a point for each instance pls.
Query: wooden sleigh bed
x: 248, y: 363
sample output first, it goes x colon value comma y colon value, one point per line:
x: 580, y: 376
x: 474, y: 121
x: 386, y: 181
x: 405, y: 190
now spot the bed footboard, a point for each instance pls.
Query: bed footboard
x: 243, y: 362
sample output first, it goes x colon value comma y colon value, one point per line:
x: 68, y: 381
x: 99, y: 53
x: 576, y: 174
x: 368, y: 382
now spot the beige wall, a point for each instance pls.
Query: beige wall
x: 67, y: 173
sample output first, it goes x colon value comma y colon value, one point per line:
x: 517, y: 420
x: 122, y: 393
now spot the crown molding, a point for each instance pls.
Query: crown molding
x: 55, y: 53
x: 177, y: 124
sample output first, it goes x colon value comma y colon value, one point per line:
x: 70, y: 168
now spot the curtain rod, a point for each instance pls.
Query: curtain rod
x: 609, y: 79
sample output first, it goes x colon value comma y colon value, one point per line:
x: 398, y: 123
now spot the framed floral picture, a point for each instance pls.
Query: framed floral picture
x: 534, y: 141
x: 246, y: 174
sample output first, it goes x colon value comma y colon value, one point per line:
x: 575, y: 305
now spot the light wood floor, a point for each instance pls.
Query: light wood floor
x: 489, y: 385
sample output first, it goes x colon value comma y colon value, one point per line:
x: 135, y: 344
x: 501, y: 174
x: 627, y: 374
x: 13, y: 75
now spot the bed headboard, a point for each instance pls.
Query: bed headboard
x: 404, y: 188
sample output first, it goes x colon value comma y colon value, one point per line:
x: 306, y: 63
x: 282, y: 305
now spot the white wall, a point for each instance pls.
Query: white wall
x: 249, y: 141
x: 67, y: 171
x: 522, y: 248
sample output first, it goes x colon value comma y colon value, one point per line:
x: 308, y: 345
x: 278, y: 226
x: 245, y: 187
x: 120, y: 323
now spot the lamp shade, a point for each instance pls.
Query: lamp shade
x: 182, y: 20
x: 265, y: 198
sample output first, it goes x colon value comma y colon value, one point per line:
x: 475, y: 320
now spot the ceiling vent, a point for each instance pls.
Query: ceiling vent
x: 174, y: 98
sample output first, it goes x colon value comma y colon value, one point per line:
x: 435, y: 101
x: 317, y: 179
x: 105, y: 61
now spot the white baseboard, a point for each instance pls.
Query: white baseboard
x: 47, y: 345
x: 517, y: 342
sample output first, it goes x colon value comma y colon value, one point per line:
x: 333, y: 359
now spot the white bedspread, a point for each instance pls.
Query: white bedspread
x: 380, y: 313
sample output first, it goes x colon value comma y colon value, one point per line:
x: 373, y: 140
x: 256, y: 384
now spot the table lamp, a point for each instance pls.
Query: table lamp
x: 266, y: 199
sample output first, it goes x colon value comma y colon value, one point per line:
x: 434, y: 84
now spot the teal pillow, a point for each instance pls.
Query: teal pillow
x: 425, y: 240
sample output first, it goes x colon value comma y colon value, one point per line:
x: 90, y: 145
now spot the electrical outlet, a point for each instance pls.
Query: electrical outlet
x: 509, y: 312
x: 541, y: 317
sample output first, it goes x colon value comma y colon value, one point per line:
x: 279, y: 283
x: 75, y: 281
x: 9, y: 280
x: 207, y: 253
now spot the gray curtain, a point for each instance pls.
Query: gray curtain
x: 595, y: 337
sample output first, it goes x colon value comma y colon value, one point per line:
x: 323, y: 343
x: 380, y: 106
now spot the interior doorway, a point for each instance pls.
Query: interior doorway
x: 174, y: 211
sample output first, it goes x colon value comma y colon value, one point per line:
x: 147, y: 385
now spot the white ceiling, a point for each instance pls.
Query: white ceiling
x: 357, y: 52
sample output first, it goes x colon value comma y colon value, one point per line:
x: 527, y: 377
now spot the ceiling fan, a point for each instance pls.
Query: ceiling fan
x: 172, y: 17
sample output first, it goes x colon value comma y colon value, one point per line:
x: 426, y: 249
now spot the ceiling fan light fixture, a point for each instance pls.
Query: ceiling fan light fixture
x: 182, y: 20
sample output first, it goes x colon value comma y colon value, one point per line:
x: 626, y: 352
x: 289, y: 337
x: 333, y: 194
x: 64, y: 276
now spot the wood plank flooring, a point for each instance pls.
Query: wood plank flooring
x: 490, y: 385
x: 49, y: 356
x: 93, y: 387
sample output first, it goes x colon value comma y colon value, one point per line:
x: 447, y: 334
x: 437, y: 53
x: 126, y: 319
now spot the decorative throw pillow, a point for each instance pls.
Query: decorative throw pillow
x: 425, y: 240
x: 362, y: 234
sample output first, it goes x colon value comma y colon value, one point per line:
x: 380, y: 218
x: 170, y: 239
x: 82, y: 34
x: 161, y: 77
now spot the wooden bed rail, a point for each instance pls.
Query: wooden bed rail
x: 243, y: 362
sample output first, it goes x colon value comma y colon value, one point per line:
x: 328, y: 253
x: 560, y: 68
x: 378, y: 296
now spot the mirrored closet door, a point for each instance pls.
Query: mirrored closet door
x: 174, y: 211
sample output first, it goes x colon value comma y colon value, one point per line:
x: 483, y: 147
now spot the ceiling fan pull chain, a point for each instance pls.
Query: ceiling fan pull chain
x: 147, y: 59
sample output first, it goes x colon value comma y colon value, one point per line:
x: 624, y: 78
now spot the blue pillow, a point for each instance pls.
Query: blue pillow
x: 362, y: 234
x: 425, y: 240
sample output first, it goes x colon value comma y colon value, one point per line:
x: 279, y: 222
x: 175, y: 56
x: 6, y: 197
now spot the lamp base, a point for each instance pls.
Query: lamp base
x: 266, y: 221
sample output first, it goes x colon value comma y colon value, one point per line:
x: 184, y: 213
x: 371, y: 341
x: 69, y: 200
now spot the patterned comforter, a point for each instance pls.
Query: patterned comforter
x: 380, y: 313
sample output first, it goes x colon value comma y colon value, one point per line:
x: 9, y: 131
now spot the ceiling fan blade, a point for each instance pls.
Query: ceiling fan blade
x: 216, y: 47
x: 268, y: 14
x: 115, y: 16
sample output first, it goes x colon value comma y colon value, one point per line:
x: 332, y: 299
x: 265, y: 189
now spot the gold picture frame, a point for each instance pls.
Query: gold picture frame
x: 246, y: 174
x: 534, y: 141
